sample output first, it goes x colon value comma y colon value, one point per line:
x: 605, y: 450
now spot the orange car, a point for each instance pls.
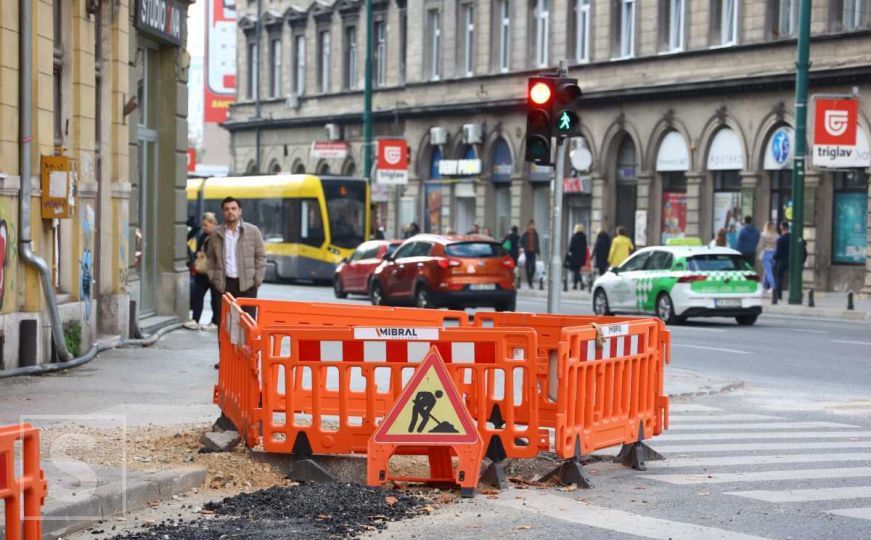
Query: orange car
x: 431, y: 271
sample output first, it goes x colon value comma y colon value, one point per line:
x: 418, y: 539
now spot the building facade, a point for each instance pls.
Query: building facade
x: 80, y: 109
x: 687, y: 114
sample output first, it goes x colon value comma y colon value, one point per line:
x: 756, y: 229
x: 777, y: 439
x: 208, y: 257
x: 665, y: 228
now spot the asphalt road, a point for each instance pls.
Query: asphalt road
x: 789, y: 355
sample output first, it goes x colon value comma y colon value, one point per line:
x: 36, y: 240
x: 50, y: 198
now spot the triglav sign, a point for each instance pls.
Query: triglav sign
x: 163, y: 19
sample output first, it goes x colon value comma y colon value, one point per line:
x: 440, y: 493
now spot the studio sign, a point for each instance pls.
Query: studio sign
x: 161, y: 18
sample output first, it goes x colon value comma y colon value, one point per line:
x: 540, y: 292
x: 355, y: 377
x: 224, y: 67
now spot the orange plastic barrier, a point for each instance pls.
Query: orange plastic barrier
x: 26, y: 492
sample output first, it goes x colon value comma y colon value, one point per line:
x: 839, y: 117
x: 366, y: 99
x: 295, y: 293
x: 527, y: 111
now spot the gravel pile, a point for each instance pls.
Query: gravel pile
x: 309, y: 510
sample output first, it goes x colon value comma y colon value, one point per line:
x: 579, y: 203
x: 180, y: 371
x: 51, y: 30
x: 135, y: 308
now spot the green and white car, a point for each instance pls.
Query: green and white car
x: 678, y: 282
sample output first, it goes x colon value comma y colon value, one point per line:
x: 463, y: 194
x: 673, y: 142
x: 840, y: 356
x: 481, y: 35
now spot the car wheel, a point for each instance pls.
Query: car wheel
x: 600, y: 303
x: 376, y: 294
x: 746, y: 320
x: 421, y: 298
x: 665, y: 309
x: 338, y: 289
x: 510, y: 305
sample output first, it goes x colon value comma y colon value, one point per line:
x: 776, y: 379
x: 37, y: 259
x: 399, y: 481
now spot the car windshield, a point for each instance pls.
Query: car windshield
x: 392, y: 248
x: 717, y: 262
x: 475, y: 250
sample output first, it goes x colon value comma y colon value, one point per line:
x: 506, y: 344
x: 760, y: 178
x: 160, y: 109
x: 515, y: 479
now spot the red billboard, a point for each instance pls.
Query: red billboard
x: 219, y: 70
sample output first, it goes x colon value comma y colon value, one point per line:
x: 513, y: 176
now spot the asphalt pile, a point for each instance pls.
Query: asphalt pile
x: 311, y: 510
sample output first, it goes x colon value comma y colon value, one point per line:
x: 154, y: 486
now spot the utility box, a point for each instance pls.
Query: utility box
x: 58, y: 175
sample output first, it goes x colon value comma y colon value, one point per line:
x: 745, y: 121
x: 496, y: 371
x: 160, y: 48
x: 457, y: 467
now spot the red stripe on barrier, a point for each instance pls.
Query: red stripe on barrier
x: 485, y: 353
x: 446, y: 351
x: 352, y: 351
x: 397, y: 351
x: 309, y: 351
x: 4, y: 481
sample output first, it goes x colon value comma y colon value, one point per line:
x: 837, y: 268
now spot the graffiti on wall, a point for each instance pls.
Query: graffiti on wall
x: 8, y: 255
x: 123, y: 263
x: 4, y: 238
x: 87, y: 261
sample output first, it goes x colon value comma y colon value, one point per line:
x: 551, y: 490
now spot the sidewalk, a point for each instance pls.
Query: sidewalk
x: 828, y: 305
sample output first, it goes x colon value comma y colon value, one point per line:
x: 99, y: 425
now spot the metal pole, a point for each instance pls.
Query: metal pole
x: 555, y: 270
x: 256, y: 80
x: 801, y: 84
x: 367, y: 97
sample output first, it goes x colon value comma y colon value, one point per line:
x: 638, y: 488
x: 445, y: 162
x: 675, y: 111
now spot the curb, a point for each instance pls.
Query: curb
x: 141, y: 488
x: 816, y: 313
x: 731, y: 387
x: 699, y: 384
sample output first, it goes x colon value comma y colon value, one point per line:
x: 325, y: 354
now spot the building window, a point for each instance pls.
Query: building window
x: 541, y: 17
x: 727, y: 21
x: 581, y: 20
x: 502, y: 24
x: 275, y: 62
x: 467, y: 38
x: 727, y: 204
x: 675, y: 18
x: 350, y: 57
x: 403, y: 41
x: 850, y: 217
x: 324, y: 59
x: 253, y: 70
x: 855, y: 14
x: 785, y: 18
x: 626, y: 29
x: 433, y: 35
x: 299, y: 64
x: 380, y: 73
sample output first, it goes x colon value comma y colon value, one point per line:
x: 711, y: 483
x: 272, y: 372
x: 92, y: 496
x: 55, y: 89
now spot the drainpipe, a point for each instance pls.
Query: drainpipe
x: 25, y: 251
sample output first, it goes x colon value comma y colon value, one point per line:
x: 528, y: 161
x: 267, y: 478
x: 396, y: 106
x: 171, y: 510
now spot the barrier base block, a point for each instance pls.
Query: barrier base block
x: 495, y: 476
x: 570, y: 472
x: 308, y: 470
x: 636, y: 454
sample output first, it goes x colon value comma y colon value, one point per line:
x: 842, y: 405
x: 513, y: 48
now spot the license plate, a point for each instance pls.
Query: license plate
x: 727, y: 302
x: 482, y: 287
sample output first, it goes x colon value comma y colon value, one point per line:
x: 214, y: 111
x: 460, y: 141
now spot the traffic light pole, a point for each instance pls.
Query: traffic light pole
x: 367, y: 97
x: 556, y: 264
x: 801, y: 84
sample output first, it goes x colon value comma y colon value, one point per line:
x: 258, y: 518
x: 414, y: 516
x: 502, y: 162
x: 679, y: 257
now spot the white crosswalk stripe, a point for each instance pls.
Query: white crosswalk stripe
x: 806, y: 495
x: 729, y: 461
x: 762, y: 476
x: 690, y: 407
x: 665, y: 439
x: 860, y: 513
x: 680, y: 419
x: 758, y: 425
x: 757, y: 447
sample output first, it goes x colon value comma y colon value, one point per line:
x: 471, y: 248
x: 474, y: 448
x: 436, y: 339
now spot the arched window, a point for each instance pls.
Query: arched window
x: 298, y: 167
x: 274, y: 167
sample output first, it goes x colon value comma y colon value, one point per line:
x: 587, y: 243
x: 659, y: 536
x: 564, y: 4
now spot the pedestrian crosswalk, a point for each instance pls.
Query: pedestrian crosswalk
x: 796, y: 462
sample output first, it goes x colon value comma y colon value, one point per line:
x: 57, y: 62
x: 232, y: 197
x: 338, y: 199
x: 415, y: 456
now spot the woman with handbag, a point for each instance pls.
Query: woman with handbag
x: 200, y: 284
x: 576, y: 257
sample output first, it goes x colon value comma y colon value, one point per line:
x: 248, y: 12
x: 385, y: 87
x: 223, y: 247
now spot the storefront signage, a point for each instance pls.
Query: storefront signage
x: 192, y: 159
x: 582, y: 184
x: 540, y: 173
x: 460, y: 167
x: 673, y: 153
x: 329, y: 150
x: 778, y: 151
x: 726, y: 152
x: 674, y: 215
x: 392, y: 163
x: 851, y: 228
x: 163, y: 19
x: 219, y: 90
x: 838, y: 141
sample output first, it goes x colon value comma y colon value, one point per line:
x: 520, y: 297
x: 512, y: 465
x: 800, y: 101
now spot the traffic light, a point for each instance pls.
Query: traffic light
x: 566, y: 121
x: 539, y: 106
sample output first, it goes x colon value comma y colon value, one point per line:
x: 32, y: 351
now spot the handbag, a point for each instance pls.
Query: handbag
x: 201, y: 263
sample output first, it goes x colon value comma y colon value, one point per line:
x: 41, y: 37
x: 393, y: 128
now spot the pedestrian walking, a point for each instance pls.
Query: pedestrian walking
x: 720, y: 239
x: 781, y: 260
x: 476, y: 229
x: 601, y: 250
x: 412, y: 230
x: 621, y: 248
x: 200, y: 283
x: 511, y: 244
x: 766, y: 246
x: 576, y: 257
x: 236, y: 254
x: 531, y: 249
x: 748, y: 239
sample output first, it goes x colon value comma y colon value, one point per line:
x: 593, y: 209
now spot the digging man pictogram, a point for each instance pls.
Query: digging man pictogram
x: 422, y: 407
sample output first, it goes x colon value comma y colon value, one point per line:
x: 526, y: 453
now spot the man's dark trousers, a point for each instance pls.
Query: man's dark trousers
x: 530, y: 268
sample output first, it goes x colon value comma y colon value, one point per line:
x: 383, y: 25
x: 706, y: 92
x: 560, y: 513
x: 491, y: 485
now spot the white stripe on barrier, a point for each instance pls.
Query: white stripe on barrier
x: 591, y: 350
x: 417, y: 351
x: 374, y: 351
x: 755, y: 447
x: 805, y: 495
x: 633, y: 347
x: 620, y: 346
x: 462, y: 353
x: 858, y: 513
x: 760, y: 476
x: 331, y: 351
x: 727, y: 461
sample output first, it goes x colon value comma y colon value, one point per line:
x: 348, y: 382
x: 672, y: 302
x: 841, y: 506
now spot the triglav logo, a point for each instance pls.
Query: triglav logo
x: 392, y: 154
x: 836, y: 122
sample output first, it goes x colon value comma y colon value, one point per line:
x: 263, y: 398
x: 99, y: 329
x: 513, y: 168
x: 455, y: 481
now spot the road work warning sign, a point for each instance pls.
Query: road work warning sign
x: 429, y: 410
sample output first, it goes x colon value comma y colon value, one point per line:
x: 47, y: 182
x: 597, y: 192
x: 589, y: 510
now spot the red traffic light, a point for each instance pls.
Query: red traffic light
x: 540, y: 93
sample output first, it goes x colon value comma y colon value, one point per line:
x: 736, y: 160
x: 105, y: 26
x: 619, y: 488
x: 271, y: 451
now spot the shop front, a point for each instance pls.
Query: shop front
x: 626, y: 174
x: 725, y: 161
x: 432, y: 195
x: 777, y: 163
x: 501, y: 166
x: 672, y: 164
x: 539, y: 182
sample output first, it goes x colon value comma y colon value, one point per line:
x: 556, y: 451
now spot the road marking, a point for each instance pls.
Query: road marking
x: 699, y: 328
x: 849, y: 342
x: 861, y: 513
x: 681, y: 418
x: 725, y: 461
x: 806, y: 495
x: 691, y: 407
x: 564, y: 509
x: 702, y: 347
x: 768, y: 435
x: 761, y: 425
x: 754, y: 447
x: 804, y: 330
x: 760, y: 476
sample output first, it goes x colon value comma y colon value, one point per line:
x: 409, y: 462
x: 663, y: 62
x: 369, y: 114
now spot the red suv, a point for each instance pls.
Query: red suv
x: 451, y: 271
x: 352, y: 275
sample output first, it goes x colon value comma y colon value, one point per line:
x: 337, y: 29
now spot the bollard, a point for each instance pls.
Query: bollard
x: 850, y: 306
x: 541, y: 284
x: 565, y: 282
x: 810, y: 298
x: 519, y: 280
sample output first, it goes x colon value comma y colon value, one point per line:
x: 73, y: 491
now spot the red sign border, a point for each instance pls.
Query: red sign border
x: 402, y: 165
x: 818, y: 121
x: 433, y: 359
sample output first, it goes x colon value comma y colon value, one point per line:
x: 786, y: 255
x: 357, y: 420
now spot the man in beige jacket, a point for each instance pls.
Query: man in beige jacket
x: 236, y: 255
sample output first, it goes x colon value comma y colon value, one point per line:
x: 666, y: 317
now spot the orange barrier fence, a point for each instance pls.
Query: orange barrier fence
x: 26, y: 492
x: 318, y: 378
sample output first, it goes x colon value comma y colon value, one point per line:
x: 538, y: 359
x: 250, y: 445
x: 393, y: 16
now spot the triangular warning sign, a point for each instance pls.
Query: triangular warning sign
x: 429, y: 410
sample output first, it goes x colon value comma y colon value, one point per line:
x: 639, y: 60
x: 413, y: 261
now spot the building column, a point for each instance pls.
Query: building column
x: 694, y: 195
x: 598, y: 218
x: 642, y: 202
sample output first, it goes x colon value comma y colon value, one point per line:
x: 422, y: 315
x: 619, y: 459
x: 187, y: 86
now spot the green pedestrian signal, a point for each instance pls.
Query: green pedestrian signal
x: 567, y: 123
x: 564, y: 121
